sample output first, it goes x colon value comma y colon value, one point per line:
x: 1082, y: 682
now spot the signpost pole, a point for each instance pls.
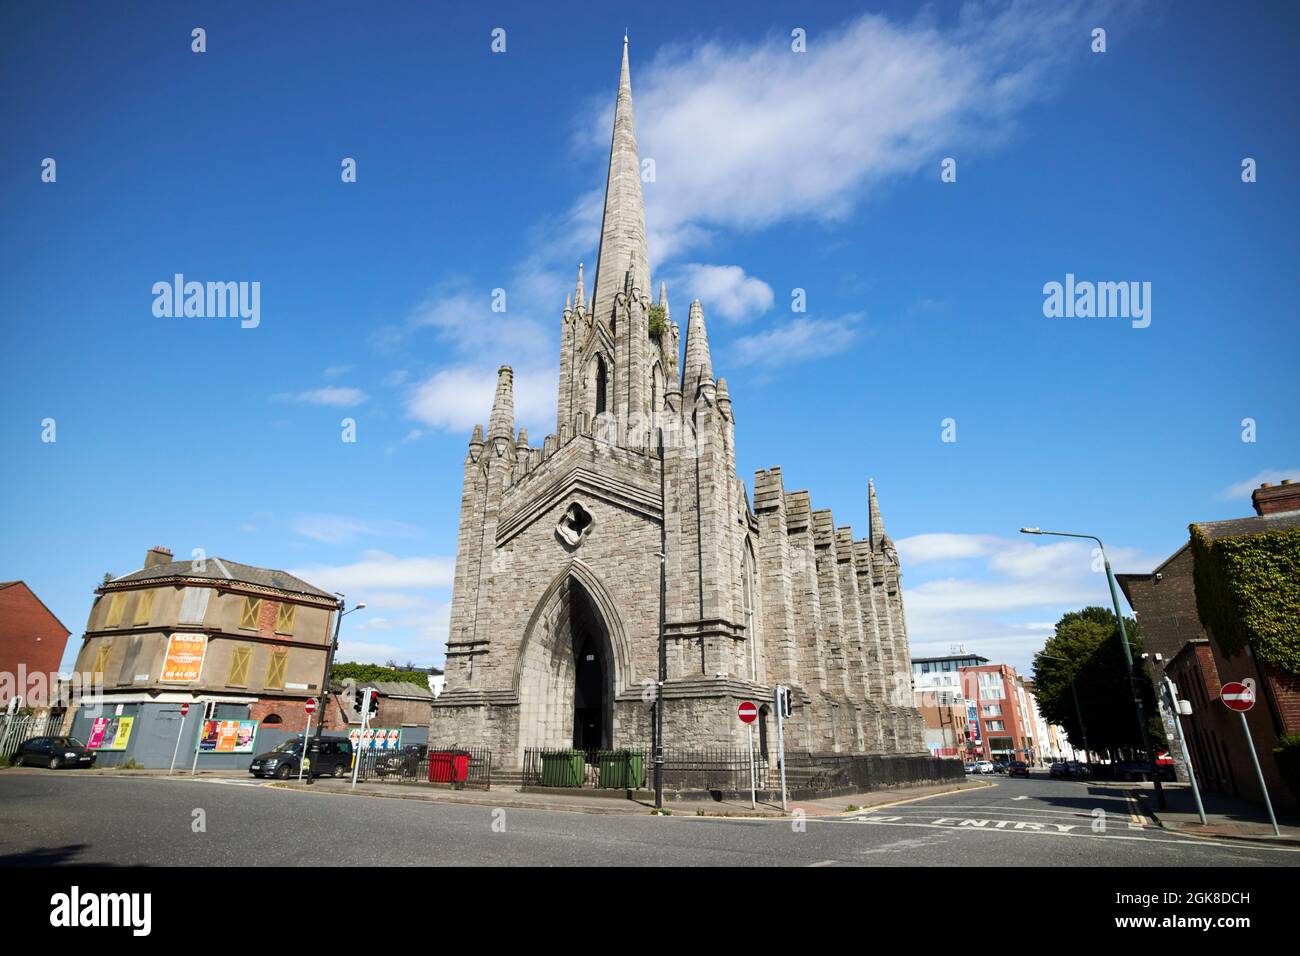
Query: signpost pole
x: 781, y: 692
x: 1263, y: 788
x: 198, y: 737
x: 1172, y: 695
x: 185, y: 709
x: 753, y: 784
x: 357, y: 751
x: 305, y: 734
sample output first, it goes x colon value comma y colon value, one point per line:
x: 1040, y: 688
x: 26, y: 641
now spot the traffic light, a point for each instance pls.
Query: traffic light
x: 374, y: 702
x: 358, y: 698
x: 784, y: 701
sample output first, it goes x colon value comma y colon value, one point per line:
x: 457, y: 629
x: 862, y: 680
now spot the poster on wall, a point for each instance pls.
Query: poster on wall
x: 973, y: 721
x: 228, y: 736
x: 110, y: 733
x: 184, y: 659
x: 376, y: 738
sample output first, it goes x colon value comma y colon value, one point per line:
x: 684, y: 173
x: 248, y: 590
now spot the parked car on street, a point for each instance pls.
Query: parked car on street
x: 330, y: 757
x: 1058, y: 769
x: 53, y: 752
x: 401, y: 763
x: 971, y: 768
x: 1017, y: 768
x: 999, y: 766
x: 1077, y: 770
x: 984, y: 766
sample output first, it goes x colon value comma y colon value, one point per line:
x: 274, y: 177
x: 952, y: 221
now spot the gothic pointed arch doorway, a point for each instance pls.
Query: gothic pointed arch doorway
x: 569, y: 669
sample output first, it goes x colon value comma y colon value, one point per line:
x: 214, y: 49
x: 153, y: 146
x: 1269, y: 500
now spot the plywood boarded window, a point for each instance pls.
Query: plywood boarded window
x: 252, y: 610
x: 239, y: 662
x: 101, y: 661
x: 194, y: 605
x: 276, y: 669
x: 284, y: 618
x: 144, y: 607
x: 115, y: 606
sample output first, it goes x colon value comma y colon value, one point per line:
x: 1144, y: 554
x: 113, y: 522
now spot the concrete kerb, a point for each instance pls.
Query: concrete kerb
x: 1212, y: 831
x: 625, y: 802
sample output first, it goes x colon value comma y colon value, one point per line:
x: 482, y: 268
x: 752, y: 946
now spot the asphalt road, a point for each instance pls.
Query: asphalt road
x: 51, y: 818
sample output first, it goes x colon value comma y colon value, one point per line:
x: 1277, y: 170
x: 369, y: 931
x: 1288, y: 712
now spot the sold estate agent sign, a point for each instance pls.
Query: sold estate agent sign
x: 184, y: 658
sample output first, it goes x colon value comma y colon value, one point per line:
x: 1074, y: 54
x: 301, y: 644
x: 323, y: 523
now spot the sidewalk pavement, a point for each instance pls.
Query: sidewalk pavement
x: 642, y: 803
x: 1226, y: 817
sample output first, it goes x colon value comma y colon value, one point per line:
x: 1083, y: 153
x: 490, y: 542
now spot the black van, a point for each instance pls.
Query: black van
x: 330, y: 757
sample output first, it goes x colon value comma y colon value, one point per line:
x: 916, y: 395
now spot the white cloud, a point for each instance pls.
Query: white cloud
x: 333, y: 396
x: 1242, y: 489
x: 925, y: 548
x: 745, y: 135
x: 724, y: 290
x: 1005, y: 606
x: 378, y: 569
x: 335, y: 529
x: 460, y: 397
x: 795, y: 340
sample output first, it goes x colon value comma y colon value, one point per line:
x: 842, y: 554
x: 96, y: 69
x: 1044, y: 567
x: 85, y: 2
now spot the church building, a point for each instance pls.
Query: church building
x: 630, y: 521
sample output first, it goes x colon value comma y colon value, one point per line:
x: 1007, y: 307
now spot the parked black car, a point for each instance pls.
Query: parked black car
x: 330, y: 757
x: 401, y: 763
x: 53, y: 752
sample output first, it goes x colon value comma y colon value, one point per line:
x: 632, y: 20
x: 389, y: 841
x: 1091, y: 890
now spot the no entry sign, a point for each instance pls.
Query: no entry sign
x: 310, y: 706
x: 1237, y: 696
x: 747, y: 712
x: 185, y: 709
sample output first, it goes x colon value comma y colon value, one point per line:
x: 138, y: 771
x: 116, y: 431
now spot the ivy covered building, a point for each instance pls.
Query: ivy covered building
x: 1224, y: 607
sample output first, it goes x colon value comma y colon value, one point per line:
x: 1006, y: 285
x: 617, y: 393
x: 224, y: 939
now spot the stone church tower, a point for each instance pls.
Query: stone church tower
x: 556, y: 603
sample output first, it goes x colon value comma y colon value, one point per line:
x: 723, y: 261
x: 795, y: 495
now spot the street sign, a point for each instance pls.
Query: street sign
x: 310, y: 706
x: 1236, y: 696
x: 185, y: 709
x: 747, y: 712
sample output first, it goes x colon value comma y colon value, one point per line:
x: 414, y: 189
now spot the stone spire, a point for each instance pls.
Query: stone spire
x: 699, y: 366
x: 622, y: 231
x: 502, y: 422
x: 579, y: 294
x: 663, y: 300
x: 877, y: 522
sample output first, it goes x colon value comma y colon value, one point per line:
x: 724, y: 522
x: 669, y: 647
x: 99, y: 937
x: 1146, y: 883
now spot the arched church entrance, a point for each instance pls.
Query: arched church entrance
x: 567, y: 671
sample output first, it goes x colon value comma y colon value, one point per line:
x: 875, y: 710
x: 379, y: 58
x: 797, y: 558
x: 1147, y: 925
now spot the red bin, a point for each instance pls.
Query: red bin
x: 448, y: 766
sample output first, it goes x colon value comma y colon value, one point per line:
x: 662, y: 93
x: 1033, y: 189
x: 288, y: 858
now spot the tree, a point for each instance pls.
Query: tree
x: 1089, y: 643
x: 365, y: 673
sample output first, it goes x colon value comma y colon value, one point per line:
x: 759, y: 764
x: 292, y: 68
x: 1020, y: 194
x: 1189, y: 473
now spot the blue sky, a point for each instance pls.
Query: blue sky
x: 774, y: 170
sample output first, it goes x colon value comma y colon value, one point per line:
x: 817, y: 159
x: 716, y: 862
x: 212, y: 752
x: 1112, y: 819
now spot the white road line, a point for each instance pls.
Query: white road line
x: 1178, y: 838
x: 1083, y: 814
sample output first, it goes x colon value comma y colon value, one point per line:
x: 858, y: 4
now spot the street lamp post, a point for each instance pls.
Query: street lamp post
x: 1145, y: 734
x: 329, y: 660
x: 1078, y: 712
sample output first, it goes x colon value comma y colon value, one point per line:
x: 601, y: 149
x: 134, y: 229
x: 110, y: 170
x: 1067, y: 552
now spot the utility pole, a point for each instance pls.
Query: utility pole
x: 663, y: 650
x: 329, y: 661
x: 1144, y: 734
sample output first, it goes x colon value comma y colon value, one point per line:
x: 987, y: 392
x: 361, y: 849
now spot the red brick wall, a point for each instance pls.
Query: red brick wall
x: 1286, y: 694
x: 30, y: 636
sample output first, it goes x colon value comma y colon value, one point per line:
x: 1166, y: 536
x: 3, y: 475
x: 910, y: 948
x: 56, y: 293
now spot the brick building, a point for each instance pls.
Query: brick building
x: 1006, y: 726
x: 236, y: 642
x: 32, y: 641
x: 1188, y: 653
